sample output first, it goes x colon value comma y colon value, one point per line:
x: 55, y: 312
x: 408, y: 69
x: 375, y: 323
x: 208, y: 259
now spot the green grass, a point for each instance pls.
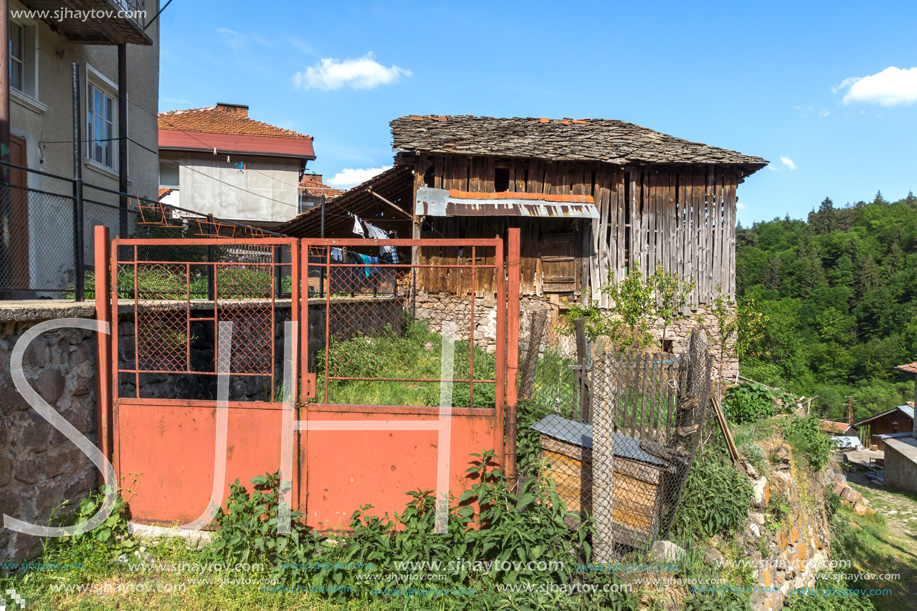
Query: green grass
x: 413, y: 352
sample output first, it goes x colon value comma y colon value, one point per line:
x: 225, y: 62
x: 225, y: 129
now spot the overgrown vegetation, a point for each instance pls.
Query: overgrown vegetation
x: 716, y: 497
x: 638, y: 302
x: 840, y: 295
x: 809, y: 442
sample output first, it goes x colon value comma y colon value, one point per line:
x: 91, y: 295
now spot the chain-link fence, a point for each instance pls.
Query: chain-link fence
x: 46, y: 226
x: 617, y: 432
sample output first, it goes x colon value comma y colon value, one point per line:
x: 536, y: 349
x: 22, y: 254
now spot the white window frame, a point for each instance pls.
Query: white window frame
x: 95, y: 80
x: 28, y: 95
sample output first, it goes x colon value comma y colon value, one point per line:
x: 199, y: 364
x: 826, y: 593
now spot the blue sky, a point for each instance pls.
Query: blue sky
x: 775, y: 79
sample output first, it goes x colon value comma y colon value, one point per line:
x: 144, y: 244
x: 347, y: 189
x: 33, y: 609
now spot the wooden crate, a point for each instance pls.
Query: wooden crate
x: 637, y: 491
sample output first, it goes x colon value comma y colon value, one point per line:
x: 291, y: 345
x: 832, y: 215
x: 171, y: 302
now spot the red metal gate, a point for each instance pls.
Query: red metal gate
x: 363, y: 435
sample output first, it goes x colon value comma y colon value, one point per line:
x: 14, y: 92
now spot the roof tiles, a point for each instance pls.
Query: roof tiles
x: 220, y: 120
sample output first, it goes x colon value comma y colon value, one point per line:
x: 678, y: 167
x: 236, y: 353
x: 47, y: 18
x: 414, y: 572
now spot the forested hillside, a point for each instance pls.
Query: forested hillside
x: 840, y: 294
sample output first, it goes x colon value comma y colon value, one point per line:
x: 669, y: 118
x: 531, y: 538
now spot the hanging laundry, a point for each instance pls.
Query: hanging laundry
x: 337, y: 254
x: 388, y: 253
x: 357, y: 227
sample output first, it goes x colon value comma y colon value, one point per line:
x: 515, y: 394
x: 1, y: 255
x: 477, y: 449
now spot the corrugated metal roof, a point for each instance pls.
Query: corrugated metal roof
x: 442, y: 202
x: 581, y: 435
x: 895, y: 435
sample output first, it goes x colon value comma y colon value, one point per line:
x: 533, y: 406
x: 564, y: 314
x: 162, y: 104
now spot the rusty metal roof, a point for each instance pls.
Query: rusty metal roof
x: 442, y: 202
x: 395, y: 185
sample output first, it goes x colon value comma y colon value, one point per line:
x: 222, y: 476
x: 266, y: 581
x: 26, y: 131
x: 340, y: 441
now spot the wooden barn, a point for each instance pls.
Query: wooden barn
x: 590, y: 195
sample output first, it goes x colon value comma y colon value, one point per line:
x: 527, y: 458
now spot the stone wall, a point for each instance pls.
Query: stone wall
x: 39, y: 467
x: 436, y: 307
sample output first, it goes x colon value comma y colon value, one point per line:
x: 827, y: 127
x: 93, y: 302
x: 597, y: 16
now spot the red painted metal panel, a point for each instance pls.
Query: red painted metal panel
x: 103, y: 343
x: 352, y: 468
x: 231, y: 143
x: 169, y: 446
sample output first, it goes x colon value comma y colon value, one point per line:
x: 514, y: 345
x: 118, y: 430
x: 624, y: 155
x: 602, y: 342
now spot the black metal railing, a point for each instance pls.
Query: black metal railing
x: 47, y: 237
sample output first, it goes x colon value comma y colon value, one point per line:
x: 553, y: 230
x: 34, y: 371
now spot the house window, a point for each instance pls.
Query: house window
x: 168, y: 173
x: 17, y: 57
x: 23, y: 59
x: 101, y: 132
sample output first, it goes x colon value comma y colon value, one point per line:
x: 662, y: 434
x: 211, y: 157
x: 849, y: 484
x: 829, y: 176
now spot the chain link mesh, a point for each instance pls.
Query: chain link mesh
x: 616, y: 431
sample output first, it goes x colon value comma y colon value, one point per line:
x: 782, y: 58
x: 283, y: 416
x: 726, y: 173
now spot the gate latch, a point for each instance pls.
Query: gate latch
x: 309, y: 386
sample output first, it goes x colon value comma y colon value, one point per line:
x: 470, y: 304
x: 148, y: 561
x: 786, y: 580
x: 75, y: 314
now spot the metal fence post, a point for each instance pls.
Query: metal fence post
x: 78, y: 267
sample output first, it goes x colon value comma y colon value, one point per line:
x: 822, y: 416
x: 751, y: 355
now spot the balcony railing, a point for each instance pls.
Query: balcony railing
x: 97, y: 21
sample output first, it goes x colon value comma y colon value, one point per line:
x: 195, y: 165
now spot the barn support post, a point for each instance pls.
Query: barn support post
x: 512, y: 347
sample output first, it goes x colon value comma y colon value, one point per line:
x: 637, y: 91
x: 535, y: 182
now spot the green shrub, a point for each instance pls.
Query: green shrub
x: 755, y: 455
x: 748, y: 403
x: 523, y: 527
x: 715, y: 500
x: 809, y: 441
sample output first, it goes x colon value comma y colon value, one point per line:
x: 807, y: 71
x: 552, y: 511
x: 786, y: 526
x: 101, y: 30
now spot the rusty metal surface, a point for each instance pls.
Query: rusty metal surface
x: 441, y: 202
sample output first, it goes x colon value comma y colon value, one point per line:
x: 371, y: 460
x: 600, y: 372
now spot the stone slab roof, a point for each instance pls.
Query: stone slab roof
x: 558, y: 140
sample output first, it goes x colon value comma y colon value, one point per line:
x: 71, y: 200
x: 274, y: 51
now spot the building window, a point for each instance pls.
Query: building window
x: 23, y: 72
x: 101, y: 132
x: 168, y: 174
x: 17, y: 56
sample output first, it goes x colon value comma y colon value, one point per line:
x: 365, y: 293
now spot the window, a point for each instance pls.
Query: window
x: 101, y: 132
x: 501, y: 180
x: 168, y: 173
x: 17, y: 55
x: 23, y: 61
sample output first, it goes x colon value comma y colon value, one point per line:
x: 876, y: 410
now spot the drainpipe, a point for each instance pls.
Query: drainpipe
x: 122, y: 138
x: 4, y: 89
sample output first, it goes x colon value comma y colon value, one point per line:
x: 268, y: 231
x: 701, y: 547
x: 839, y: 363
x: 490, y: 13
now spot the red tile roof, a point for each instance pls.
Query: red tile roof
x: 228, y: 129
x: 834, y: 427
x: 222, y: 120
x: 163, y: 191
x: 909, y: 368
x: 311, y: 184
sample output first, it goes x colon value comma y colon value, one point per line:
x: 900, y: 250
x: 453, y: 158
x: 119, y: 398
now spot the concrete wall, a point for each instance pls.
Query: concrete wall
x: 45, y: 122
x: 901, y: 464
x: 266, y: 190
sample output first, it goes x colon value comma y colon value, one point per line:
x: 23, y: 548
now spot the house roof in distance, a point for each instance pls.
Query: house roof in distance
x: 605, y: 140
x: 227, y: 128
x: 835, y: 428
x: 314, y: 185
x: 907, y: 410
x: 909, y: 368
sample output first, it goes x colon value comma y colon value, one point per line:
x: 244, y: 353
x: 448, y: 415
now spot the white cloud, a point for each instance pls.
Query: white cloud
x: 362, y: 73
x: 824, y: 113
x: 891, y: 87
x: 741, y: 206
x: 787, y: 162
x: 351, y: 177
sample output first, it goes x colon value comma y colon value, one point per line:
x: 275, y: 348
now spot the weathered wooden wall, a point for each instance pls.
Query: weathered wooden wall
x: 679, y: 216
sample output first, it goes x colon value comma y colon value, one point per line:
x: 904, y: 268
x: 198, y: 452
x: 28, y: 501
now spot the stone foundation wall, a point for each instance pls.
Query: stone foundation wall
x: 436, y: 307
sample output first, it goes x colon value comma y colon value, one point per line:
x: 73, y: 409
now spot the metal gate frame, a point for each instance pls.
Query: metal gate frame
x: 118, y: 414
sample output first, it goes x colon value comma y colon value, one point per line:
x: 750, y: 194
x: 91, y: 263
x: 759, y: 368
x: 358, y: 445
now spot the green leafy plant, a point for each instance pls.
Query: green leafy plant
x: 638, y: 303
x: 748, y: 403
x: 716, y: 498
x: 809, y: 441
